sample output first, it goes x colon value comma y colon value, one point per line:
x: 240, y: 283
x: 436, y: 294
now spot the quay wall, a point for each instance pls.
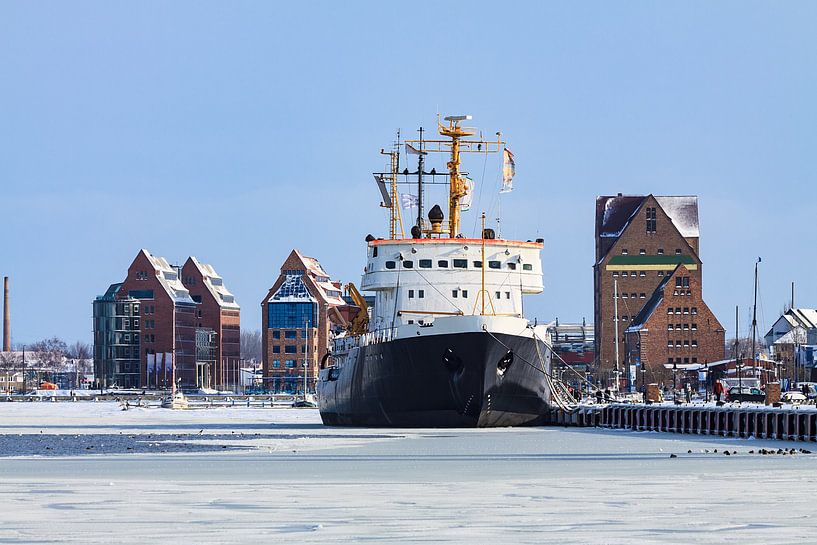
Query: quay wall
x: 761, y: 422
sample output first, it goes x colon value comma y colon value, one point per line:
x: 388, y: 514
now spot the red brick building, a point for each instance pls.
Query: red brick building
x: 217, y: 314
x: 640, y: 242
x: 172, y: 325
x: 299, y: 315
x: 675, y: 326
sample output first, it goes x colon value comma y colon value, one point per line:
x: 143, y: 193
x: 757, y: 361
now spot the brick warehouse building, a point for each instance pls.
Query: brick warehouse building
x: 217, y: 314
x: 171, y: 324
x: 640, y: 242
x: 302, y: 306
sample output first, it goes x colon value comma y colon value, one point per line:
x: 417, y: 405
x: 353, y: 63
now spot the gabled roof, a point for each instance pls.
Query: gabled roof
x: 215, y: 284
x: 168, y: 277
x: 805, y: 318
x: 614, y: 213
x: 652, y: 303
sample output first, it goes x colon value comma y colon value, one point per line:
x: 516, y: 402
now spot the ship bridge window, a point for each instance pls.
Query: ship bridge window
x: 421, y: 294
x: 477, y: 264
x: 408, y: 264
x: 512, y: 266
x: 443, y: 263
x: 390, y: 264
x: 494, y: 265
x: 374, y: 251
x: 454, y: 293
x: 527, y: 267
x: 460, y: 263
x: 411, y: 294
x: 425, y: 263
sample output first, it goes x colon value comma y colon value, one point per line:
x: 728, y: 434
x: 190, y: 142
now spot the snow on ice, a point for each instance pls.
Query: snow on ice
x: 253, y: 475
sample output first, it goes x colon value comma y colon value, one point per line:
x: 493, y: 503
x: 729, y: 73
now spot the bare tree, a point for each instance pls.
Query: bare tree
x: 80, y: 350
x: 50, y: 354
x: 250, y: 345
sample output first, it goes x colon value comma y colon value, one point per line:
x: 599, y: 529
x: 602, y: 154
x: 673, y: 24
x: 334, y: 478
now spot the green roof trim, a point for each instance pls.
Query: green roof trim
x: 651, y: 260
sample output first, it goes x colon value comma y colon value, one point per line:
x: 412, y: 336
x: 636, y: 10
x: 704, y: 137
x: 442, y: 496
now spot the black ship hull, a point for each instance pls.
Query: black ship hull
x: 473, y: 379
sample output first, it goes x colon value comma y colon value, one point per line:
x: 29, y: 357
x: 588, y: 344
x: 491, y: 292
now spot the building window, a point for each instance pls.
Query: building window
x: 290, y: 334
x: 527, y: 267
x: 633, y: 295
x: 303, y: 349
x: 694, y: 360
x: 498, y: 295
x: 694, y: 327
x: 660, y: 273
x: 677, y: 251
x: 660, y: 251
x: 411, y: 294
x: 642, y: 273
x: 677, y: 343
x: 443, y: 263
x: 642, y: 295
x: 276, y: 334
x: 276, y: 364
x: 454, y: 294
x: 686, y: 344
x: 425, y: 263
x: 615, y: 275
x: 390, y: 264
x: 290, y: 364
x: 694, y: 343
x: 686, y: 360
x: 686, y: 310
x: 677, y: 310
x: 276, y: 349
x: 290, y: 315
x: 507, y: 295
x: 408, y: 264
x: 694, y: 310
x: 670, y: 311
x: 624, y: 251
x: 670, y: 344
x: 624, y: 296
x: 642, y: 251
x: 651, y: 220
x: 494, y: 265
x: 669, y: 327
x: 291, y: 349
x: 460, y: 263
x: 464, y: 294
x: 421, y: 294
x: 512, y: 266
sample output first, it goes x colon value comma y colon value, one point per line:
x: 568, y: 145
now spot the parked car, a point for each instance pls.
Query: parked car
x: 745, y: 394
x: 793, y: 397
x: 809, y: 389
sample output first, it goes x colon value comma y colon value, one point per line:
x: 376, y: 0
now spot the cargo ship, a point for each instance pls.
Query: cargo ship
x: 446, y: 343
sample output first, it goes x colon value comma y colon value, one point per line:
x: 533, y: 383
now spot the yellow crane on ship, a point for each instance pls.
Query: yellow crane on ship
x: 360, y: 323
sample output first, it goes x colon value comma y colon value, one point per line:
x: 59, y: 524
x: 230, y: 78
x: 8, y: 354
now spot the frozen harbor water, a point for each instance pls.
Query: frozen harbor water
x: 253, y: 475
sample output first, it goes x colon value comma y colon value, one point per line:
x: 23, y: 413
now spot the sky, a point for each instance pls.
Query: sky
x: 236, y: 131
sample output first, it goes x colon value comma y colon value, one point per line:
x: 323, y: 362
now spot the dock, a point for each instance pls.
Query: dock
x: 788, y: 422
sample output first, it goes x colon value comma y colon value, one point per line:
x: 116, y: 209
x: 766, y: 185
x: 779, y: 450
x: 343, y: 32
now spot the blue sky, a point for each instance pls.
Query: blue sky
x: 235, y: 131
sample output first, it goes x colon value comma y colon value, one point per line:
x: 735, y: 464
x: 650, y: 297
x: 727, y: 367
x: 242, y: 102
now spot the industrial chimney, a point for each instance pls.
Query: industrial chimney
x: 6, y: 317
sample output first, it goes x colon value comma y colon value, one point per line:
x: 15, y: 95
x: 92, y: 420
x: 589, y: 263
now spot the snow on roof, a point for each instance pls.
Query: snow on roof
x: 215, y: 284
x: 169, y: 279
x: 614, y: 213
x: 293, y: 290
x: 683, y: 211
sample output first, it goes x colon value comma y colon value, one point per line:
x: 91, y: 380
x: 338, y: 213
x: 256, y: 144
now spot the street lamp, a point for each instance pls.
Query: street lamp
x: 674, y: 381
x: 706, y: 380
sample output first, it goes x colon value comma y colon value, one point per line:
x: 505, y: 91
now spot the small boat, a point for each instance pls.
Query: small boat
x: 177, y: 400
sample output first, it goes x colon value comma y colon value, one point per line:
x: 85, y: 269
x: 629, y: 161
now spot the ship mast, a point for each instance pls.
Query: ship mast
x: 395, y: 217
x: 456, y: 145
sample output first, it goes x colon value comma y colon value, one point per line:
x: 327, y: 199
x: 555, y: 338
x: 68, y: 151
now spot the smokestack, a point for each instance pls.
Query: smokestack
x: 6, y: 316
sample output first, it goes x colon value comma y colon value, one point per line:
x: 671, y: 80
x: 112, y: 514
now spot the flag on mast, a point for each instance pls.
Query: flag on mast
x: 411, y: 150
x: 408, y: 200
x: 508, y: 171
x: 465, y: 201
